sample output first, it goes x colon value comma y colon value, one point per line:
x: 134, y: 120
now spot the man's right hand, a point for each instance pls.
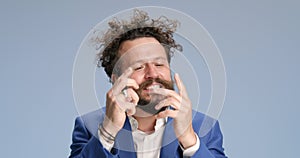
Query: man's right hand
x: 119, y: 103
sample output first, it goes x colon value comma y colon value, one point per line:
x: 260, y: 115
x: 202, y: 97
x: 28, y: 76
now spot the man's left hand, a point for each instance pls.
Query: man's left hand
x: 181, y: 112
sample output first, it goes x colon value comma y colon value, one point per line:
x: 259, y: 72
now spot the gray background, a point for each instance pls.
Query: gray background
x: 259, y: 42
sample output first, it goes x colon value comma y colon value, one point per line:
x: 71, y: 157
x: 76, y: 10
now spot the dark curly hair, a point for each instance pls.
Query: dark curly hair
x: 140, y: 25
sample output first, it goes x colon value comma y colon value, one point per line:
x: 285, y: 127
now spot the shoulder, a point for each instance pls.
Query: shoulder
x: 204, y: 124
x: 198, y: 118
x: 91, y: 120
x: 94, y: 115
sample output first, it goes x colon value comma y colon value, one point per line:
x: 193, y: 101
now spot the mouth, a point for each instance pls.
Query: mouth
x: 153, y: 86
x: 147, y: 86
x: 147, y: 100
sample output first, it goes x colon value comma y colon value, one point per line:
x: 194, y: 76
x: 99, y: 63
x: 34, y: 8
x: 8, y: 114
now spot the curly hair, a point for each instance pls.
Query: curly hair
x: 140, y: 25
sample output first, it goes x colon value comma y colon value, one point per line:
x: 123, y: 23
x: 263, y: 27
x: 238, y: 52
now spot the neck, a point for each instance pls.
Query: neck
x: 146, y: 124
x: 146, y: 121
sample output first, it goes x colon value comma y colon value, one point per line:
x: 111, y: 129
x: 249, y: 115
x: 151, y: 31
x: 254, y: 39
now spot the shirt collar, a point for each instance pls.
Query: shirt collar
x: 159, y: 123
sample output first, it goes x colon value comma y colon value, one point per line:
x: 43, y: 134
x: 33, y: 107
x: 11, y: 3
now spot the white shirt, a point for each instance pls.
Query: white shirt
x: 148, y: 145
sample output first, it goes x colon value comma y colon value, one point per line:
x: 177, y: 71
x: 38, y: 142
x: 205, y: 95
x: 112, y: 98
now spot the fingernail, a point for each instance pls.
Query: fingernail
x: 176, y: 75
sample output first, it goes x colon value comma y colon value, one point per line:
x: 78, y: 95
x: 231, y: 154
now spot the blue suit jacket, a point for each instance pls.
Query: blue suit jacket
x: 86, y: 143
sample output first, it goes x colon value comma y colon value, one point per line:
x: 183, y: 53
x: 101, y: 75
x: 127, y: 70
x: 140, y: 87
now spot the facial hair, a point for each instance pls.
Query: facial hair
x: 147, y: 102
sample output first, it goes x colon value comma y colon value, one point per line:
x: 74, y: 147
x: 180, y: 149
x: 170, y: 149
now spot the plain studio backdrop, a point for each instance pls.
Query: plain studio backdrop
x: 259, y: 42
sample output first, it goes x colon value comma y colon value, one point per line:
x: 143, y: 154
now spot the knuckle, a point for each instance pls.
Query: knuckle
x: 113, y: 99
x: 109, y: 94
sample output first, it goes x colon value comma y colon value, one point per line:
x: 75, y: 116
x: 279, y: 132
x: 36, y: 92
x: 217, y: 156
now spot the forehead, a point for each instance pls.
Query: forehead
x: 129, y: 44
x: 144, y: 49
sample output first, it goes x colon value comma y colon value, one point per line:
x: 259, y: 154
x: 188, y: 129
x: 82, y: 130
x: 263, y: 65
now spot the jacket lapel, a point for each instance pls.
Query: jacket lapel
x: 170, y: 142
x: 126, y: 148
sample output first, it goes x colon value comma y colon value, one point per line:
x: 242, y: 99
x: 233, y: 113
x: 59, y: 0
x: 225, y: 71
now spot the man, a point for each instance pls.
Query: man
x: 144, y: 115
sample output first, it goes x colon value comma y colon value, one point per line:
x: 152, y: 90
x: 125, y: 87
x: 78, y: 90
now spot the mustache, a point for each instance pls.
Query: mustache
x: 166, y: 84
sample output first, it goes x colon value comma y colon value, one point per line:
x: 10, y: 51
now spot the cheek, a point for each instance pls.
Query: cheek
x: 138, y: 77
x: 166, y: 74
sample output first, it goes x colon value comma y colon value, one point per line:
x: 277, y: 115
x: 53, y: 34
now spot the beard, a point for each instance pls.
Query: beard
x: 147, y: 101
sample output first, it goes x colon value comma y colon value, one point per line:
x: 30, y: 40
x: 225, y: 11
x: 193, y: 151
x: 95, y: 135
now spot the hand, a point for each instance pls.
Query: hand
x: 181, y: 112
x: 118, y: 105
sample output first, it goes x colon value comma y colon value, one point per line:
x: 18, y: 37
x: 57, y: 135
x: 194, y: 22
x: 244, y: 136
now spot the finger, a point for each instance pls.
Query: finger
x: 127, y: 72
x: 168, y: 102
x: 180, y: 85
x: 124, y: 83
x: 130, y: 108
x: 124, y: 105
x: 132, y: 96
x: 167, y: 113
x: 166, y: 93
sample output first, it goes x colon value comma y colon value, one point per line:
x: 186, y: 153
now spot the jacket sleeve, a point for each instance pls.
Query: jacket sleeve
x: 211, y: 145
x: 86, y: 145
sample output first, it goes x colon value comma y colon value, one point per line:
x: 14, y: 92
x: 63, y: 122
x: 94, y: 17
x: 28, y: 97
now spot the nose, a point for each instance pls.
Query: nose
x: 151, y: 72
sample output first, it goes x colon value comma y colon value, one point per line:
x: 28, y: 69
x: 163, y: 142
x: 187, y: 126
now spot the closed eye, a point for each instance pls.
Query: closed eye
x: 138, y: 67
x: 158, y: 64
